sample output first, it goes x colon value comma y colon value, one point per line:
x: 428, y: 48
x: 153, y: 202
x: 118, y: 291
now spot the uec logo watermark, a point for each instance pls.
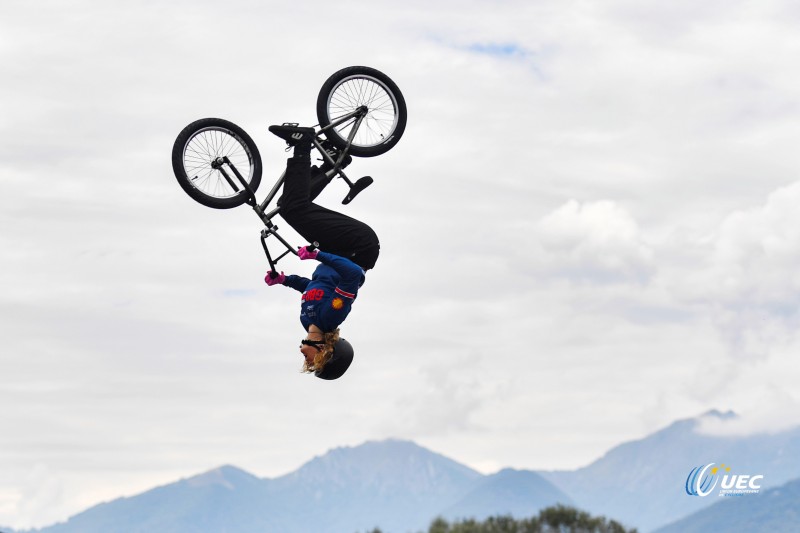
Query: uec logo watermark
x: 702, y: 481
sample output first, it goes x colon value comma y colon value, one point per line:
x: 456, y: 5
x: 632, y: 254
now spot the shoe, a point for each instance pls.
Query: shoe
x: 293, y: 134
x: 334, y: 152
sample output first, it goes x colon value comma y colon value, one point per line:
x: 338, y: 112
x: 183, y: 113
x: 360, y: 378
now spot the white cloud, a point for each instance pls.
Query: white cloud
x: 745, y: 276
x: 762, y: 394
x: 41, y: 500
x: 756, y: 253
x: 596, y: 242
x: 771, y: 417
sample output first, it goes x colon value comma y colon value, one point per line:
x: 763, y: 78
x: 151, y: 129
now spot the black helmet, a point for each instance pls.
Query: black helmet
x: 339, y: 361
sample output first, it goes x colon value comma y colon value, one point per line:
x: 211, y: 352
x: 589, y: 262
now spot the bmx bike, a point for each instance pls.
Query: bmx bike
x: 361, y: 113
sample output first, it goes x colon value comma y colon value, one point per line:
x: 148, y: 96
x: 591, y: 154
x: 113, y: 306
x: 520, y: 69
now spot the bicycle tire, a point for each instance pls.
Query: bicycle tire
x: 198, y: 145
x: 352, y: 87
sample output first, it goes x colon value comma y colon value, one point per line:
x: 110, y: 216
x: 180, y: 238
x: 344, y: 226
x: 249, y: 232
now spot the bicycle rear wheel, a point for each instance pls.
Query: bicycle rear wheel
x: 351, y: 88
x: 196, y: 160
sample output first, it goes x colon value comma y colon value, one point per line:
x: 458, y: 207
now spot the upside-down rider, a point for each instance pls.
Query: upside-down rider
x: 347, y: 248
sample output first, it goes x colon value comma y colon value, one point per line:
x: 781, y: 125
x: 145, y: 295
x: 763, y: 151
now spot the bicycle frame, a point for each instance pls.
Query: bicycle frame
x: 261, y: 209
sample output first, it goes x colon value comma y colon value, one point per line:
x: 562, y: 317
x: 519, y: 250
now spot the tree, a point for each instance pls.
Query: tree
x: 558, y: 519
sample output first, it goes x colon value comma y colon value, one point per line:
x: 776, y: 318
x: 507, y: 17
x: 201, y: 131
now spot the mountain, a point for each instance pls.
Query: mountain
x: 776, y: 510
x: 219, y: 500
x: 399, y: 486
x: 508, y: 492
x: 395, y: 485
x: 641, y: 483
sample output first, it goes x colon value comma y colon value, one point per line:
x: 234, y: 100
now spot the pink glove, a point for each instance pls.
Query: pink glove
x: 303, y: 253
x: 277, y: 280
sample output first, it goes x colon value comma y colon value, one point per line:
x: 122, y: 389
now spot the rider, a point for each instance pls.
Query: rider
x: 347, y: 249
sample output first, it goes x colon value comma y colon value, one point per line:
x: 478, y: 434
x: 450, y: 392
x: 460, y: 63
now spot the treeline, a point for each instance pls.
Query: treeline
x: 558, y: 519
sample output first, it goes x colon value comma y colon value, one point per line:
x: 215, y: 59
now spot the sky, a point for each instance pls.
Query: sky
x: 588, y: 230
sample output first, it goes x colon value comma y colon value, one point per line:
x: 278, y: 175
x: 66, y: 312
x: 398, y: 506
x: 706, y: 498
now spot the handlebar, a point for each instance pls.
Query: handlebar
x: 310, y: 247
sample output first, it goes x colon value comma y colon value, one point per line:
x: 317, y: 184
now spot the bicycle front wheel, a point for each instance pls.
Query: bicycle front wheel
x: 203, y: 155
x: 352, y: 88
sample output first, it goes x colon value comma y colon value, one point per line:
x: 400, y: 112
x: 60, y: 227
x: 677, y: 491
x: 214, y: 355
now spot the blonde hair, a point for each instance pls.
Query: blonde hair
x: 324, y: 354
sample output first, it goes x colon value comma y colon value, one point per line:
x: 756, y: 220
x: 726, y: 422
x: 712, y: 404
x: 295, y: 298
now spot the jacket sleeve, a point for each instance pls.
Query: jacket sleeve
x: 350, y: 273
x: 298, y: 283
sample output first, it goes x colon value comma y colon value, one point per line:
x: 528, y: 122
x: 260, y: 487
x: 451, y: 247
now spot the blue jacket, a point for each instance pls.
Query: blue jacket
x: 329, y: 295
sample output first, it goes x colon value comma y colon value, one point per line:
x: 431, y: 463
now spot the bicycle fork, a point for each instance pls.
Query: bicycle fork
x: 362, y: 183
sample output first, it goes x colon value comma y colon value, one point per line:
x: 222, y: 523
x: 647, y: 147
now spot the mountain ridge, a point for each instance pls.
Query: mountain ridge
x: 399, y: 486
x: 641, y: 482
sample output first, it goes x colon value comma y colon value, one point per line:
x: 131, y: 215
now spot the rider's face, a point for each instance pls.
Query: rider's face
x: 309, y: 352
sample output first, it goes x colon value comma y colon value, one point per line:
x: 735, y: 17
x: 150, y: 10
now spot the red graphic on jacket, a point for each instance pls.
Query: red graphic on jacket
x: 313, y: 295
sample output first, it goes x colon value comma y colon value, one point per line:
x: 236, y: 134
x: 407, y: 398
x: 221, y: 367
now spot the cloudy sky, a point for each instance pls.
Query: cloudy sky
x: 589, y: 230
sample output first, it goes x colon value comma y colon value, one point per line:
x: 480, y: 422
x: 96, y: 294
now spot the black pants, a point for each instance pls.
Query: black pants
x: 336, y: 233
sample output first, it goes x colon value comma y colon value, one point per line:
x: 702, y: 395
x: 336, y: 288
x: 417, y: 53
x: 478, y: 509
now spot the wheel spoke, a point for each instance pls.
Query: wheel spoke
x: 203, y: 149
x: 381, y: 117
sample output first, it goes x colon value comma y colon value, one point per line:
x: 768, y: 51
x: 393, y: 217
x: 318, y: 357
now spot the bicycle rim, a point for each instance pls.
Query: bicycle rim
x: 359, y: 90
x: 207, y: 145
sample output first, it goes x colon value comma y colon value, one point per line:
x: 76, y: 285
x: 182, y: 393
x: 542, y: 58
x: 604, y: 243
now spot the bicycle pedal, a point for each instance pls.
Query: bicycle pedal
x: 357, y: 187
